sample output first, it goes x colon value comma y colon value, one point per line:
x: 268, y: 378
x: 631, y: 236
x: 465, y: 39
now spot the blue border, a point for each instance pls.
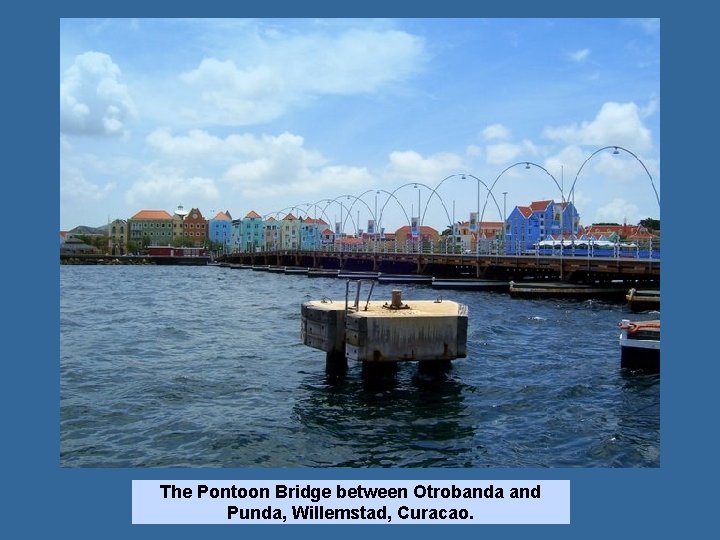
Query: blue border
x: 40, y: 498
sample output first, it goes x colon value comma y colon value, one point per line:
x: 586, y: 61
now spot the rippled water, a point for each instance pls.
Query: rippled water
x: 173, y: 366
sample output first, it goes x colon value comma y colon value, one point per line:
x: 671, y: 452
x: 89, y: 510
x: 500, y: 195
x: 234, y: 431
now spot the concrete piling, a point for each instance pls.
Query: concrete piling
x: 380, y: 335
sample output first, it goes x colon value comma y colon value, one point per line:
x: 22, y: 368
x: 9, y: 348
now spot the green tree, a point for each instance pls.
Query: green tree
x: 650, y: 224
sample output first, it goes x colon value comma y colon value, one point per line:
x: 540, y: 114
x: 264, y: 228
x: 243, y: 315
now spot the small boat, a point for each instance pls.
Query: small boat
x: 405, y: 278
x: 471, y: 284
x: 639, y: 300
x: 640, y: 345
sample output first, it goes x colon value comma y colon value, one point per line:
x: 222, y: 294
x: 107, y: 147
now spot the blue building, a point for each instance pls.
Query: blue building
x: 311, y: 231
x: 542, y: 220
x: 220, y: 229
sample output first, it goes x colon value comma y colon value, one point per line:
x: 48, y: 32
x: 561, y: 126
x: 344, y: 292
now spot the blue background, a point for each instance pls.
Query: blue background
x: 41, y: 499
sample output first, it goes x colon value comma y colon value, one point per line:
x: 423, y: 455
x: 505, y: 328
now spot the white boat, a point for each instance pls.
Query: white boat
x: 640, y: 345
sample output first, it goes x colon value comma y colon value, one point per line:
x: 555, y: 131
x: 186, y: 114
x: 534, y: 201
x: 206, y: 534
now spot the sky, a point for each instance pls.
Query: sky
x: 358, y: 119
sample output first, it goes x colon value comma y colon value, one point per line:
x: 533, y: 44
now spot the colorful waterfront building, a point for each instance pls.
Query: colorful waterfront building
x: 289, y: 232
x: 220, y: 228
x: 271, y: 233
x: 151, y: 228
x: 195, y: 228
x: 311, y: 233
x: 526, y: 225
x: 251, y: 233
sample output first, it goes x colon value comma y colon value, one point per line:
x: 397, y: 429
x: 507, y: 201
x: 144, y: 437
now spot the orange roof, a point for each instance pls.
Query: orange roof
x: 424, y: 229
x: 289, y: 217
x: 152, y: 214
x: 271, y: 219
x: 223, y: 216
x: 327, y: 231
x: 252, y: 214
x: 311, y: 221
x: 536, y: 206
x: 525, y: 211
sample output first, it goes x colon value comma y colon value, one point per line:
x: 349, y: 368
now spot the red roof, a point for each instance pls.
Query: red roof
x: 225, y: 216
x: 525, y: 211
x: 252, y: 214
x: 539, y: 206
x: 289, y: 217
x: 311, y: 221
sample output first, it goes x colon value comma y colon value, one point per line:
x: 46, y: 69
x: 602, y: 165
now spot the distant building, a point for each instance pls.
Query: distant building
x: 527, y: 225
x: 311, y: 233
x: 425, y: 234
x: 195, y: 227
x: 252, y: 234
x: 290, y: 232
x: 75, y: 246
x: 118, y: 237
x: 220, y: 229
x: 151, y: 228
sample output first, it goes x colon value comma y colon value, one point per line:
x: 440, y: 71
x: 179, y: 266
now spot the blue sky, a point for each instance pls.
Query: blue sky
x: 282, y: 114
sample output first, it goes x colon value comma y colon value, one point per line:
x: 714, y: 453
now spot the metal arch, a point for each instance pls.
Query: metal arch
x: 506, y: 169
x: 616, y: 148
x: 335, y: 200
x: 322, y: 212
x: 489, y: 193
x: 356, y: 199
x: 391, y: 195
x: 431, y: 194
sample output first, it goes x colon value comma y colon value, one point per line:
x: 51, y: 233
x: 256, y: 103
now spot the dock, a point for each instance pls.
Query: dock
x: 577, y: 291
x: 375, y: 332
x: 643, y: 300
x: 471, y: 284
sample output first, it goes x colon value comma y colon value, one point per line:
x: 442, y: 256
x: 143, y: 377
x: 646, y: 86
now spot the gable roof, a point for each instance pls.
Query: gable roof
x: 526, y: 211
x: 224, y: 216
x: 539, y: 206
x: 289, y: 217
x: 152, y: 214
x: 313, y: 221
x: 252, y: 214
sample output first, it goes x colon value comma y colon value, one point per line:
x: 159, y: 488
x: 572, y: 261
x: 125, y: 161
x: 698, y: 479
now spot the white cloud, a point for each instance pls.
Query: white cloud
x: 410, y: 166
x: 153, y: 191
x: 93, y: 100
x: 496, y: 131
x: 506, y: 152
x: 579, y: 56
x: 615, y: 124
x: 617, y: 211
x: 74, y: 186
x: 297, y: 68
x: 500, y: 153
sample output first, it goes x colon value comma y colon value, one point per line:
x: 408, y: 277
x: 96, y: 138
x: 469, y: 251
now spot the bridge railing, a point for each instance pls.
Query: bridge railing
x: 644, y: 249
